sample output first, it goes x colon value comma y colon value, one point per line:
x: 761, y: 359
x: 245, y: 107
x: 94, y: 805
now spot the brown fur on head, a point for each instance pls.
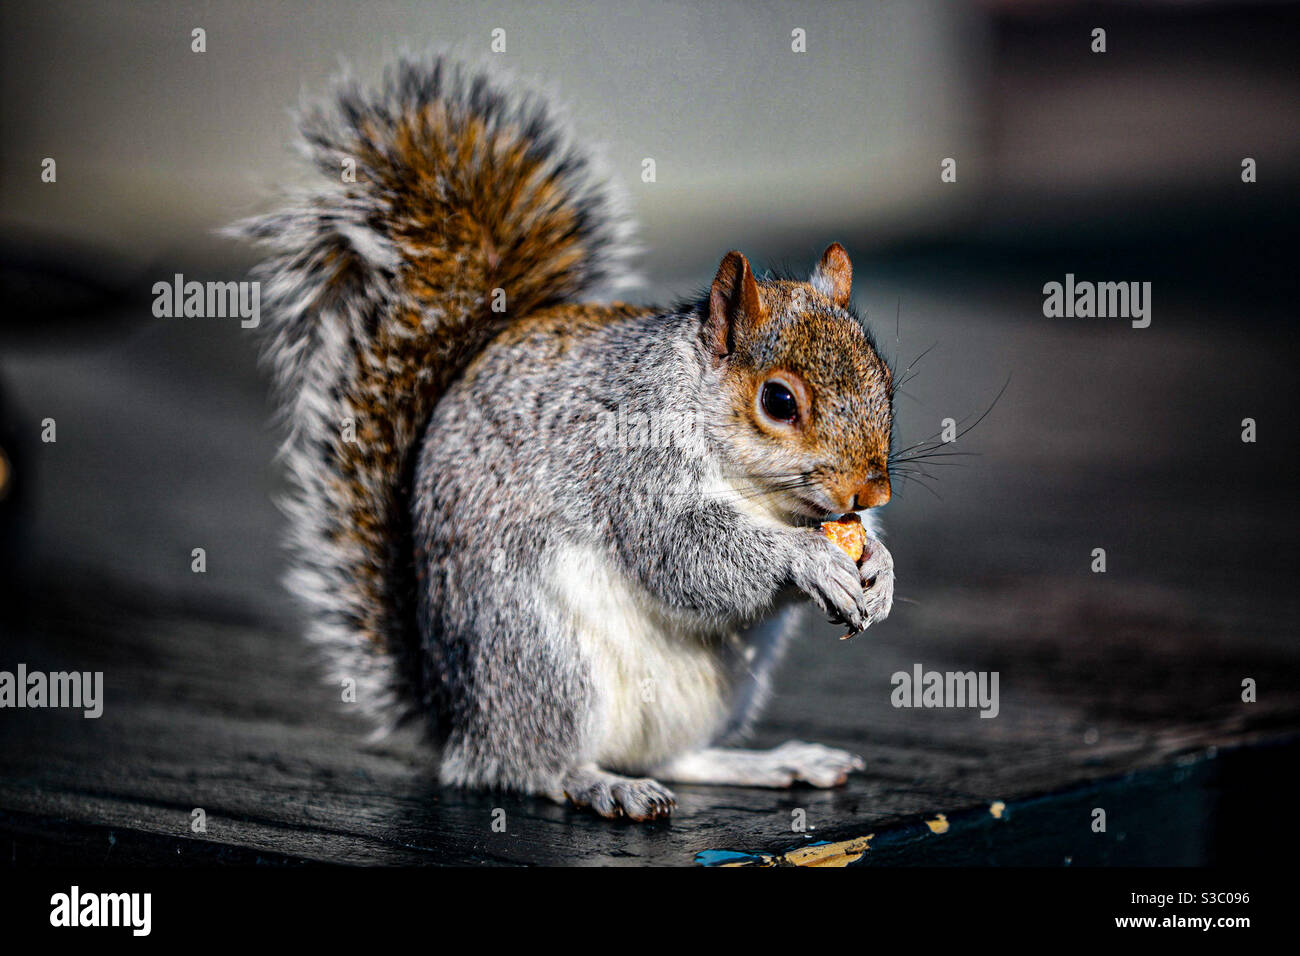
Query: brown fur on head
x: 810, y: 399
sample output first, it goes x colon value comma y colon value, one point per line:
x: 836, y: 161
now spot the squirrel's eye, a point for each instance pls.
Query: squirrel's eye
x: 779, y: 402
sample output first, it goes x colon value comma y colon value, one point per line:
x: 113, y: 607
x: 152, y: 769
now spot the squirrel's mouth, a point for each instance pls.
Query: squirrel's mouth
x: 808, y: 512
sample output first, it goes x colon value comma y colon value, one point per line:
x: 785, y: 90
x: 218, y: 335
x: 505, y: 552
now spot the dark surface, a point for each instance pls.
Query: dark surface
x: 1117, y: 689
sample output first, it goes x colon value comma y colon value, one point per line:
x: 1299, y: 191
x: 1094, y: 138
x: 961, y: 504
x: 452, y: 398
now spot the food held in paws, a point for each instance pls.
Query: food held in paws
x: 848, y: 533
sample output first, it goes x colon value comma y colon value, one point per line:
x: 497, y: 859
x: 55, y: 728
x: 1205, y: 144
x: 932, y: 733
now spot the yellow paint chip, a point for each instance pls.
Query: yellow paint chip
x: 831, y: 854
x: 938, y: 825
x: 997, y: 809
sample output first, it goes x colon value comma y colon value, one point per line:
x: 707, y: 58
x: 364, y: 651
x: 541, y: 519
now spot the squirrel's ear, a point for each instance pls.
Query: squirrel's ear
x: 833, y: 276
x: 733, y: 302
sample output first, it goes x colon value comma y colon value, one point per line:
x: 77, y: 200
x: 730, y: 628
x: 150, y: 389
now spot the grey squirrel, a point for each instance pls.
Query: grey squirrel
x: 575, y: 606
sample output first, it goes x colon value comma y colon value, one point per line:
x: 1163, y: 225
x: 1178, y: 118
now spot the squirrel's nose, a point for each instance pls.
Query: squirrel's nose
x: 873, y: 494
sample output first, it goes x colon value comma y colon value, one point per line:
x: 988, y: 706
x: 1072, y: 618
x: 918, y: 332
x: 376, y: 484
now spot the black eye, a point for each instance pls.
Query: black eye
x: 779, y: 402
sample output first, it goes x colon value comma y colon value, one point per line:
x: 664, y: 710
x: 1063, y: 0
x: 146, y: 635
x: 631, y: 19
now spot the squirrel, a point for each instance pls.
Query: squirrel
x: 570, y: 539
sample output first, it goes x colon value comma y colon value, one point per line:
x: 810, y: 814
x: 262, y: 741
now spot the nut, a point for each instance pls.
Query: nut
x: 847, y: 532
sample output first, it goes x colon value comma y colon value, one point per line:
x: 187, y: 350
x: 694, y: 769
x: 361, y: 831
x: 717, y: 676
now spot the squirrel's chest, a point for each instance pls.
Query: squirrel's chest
x: 660, y: 685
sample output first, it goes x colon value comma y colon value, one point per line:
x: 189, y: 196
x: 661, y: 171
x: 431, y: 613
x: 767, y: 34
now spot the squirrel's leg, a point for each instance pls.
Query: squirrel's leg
x: 612, y: 795
x: 524, y: 725
x: 783, y: 766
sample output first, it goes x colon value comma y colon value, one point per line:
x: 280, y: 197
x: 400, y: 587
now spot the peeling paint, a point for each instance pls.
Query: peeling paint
x: 732, y: 858
x: 830, y: 854
x: 815, y: 854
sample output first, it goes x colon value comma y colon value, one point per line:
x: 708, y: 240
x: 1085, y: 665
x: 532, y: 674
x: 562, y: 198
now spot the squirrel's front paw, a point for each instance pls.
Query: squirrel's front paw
x: 876, y: 569
x: 829, y: 576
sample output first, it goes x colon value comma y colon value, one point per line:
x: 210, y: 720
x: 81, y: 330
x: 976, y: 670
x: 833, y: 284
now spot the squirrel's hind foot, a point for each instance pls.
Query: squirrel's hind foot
x: 612, y: 795
x: 784, y: 766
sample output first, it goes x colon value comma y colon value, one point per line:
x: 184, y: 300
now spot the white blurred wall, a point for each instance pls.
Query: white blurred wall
x: 157, y: 145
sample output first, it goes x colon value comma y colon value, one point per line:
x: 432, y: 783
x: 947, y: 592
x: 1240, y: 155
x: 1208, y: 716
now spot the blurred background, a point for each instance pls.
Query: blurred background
x: 1117, y: 166
x: 1123, y: 166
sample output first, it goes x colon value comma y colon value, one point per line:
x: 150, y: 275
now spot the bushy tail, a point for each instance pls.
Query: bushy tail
x: 436, y: 189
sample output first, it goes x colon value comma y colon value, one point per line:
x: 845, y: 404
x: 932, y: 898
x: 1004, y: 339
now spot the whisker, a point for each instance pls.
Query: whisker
x: 916, y: 480
x: 904, y: 379
x: 928, y: 448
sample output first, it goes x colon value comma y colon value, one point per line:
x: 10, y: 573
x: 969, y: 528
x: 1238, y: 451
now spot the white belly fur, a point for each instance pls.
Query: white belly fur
x: 660, y: 686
